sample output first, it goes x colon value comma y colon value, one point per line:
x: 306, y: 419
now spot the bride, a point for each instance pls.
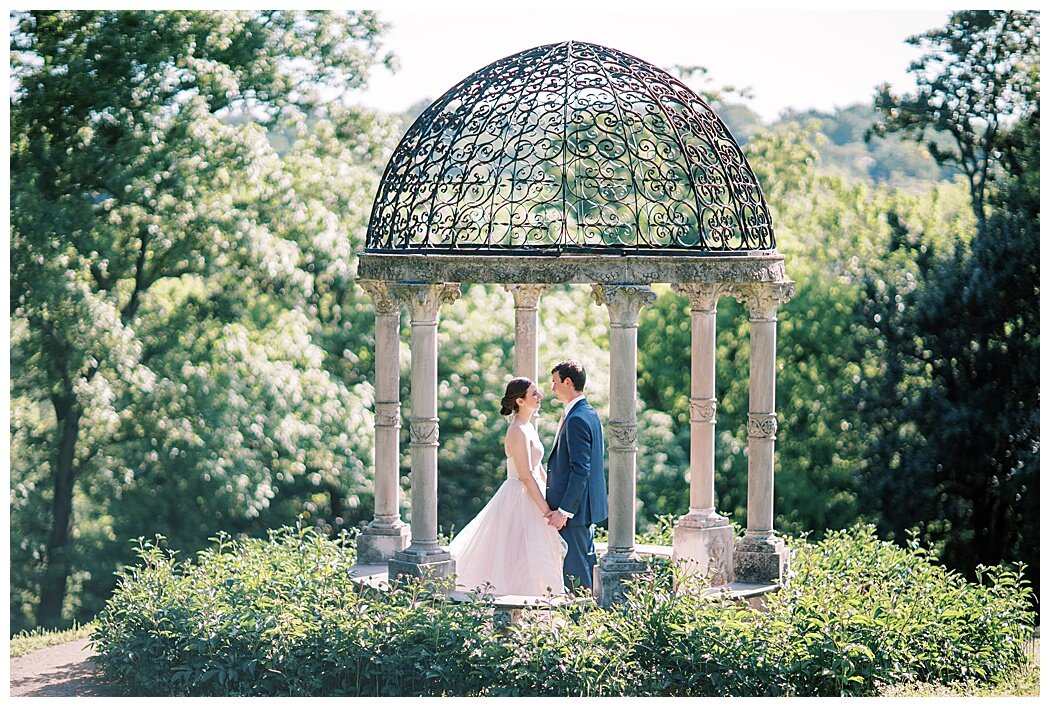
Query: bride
x: 509, y: 544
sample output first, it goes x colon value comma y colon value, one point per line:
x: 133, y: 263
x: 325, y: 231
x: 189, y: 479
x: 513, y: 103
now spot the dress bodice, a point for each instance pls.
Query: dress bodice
x: 536, y: 449
x: 512, y: 470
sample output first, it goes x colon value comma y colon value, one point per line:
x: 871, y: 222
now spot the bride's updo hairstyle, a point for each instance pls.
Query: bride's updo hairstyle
x: 517, y: 388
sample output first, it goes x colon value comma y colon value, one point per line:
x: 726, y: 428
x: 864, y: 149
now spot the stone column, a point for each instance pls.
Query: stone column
x: 386, y: 534
x: 621, y: 561
x: 703, y: 539
x: 526, y: 299
x: 424, y: 556
x: 760, y: 556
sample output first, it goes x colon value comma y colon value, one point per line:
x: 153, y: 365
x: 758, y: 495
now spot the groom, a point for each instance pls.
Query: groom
x: 576, y: 490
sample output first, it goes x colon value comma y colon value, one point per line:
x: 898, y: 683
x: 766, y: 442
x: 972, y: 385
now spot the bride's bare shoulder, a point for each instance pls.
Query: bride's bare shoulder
x: 515, y: 433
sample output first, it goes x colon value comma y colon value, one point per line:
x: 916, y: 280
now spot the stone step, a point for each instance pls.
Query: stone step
x: 644, y: 550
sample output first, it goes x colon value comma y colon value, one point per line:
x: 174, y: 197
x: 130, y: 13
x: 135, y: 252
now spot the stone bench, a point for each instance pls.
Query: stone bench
x: 752, y: 593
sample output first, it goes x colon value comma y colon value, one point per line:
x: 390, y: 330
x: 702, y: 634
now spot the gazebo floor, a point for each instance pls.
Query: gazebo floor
x: 376, y: 576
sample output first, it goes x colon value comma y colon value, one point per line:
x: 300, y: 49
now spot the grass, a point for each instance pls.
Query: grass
x: 29, y: 641
x: 1024, y: 684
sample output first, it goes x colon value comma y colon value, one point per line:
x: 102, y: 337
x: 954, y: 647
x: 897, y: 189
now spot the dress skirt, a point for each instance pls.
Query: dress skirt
x: 510, y: 546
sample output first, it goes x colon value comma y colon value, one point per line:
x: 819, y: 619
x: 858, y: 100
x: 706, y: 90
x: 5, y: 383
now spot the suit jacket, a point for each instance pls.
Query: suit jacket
x: 576, y: 468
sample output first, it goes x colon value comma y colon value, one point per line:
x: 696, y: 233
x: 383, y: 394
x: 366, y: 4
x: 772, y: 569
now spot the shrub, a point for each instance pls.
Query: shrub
x: 869, y: 613
x: 283, y: 616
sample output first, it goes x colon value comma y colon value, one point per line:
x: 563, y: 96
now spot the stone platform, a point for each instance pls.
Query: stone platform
x: 510, y: 605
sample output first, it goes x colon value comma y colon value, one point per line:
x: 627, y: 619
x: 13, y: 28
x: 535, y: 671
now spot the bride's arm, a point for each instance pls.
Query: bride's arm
x: 543, y: 471
x: 519, y: 450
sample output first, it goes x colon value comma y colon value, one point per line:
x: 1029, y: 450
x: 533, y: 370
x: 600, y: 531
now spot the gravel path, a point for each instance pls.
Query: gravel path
x: 64, y: 670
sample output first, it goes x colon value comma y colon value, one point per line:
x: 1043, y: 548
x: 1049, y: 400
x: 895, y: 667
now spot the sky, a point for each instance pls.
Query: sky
x: 801, y: 59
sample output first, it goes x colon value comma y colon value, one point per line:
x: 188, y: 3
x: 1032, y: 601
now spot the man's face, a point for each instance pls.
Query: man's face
x: 564, y: 390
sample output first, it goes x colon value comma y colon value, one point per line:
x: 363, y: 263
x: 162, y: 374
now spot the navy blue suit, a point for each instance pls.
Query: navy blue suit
x: 576, y: 483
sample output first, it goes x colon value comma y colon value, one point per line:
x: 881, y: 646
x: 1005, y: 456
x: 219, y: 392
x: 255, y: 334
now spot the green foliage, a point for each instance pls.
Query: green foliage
x: 955, y: 402
x: 892, y: 615
x: 892, y: 159
x: 952, y: 405
x: 279, y: 617
x: 184, y: 320
x: 663, y: 460
x: 475, y: 363
x: 190, y: 354
x: 284, y: 617
x: 978, y: 75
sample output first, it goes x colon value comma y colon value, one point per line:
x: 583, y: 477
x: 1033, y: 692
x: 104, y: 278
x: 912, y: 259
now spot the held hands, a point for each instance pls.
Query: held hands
x: 556, y: 519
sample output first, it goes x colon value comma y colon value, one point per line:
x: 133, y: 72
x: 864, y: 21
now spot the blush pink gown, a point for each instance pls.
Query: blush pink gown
x: 509, y: 543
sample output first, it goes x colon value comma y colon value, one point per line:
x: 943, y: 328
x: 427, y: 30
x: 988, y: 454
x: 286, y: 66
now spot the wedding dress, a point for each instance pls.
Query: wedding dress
x: 509, y: 543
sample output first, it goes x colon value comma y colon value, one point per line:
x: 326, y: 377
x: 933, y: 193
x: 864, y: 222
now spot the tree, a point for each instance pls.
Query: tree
x: 893, y: 159
x: 958, y: 454
x: 167, y: 272
x: 978, y: 74
x: 955, y: 449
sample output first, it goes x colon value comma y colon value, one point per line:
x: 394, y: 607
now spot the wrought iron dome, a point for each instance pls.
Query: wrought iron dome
x: 569, y: 148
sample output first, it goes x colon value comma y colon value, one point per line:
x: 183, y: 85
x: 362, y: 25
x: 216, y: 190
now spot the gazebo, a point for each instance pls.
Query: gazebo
x: 575, y: 163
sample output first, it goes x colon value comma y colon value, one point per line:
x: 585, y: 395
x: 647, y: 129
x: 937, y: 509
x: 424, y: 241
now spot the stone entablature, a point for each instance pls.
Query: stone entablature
x: 571, y: 268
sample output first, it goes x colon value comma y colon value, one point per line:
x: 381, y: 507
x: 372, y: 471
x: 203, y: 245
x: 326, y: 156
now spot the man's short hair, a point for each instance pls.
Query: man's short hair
x: 572, y: 370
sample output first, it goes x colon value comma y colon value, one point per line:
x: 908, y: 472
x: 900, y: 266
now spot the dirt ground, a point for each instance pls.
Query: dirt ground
x: 64, y: 670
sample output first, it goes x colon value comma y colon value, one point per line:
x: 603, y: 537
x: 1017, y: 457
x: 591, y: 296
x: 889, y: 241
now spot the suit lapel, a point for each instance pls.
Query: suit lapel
x: 561, y: 428
x: 557, y: 438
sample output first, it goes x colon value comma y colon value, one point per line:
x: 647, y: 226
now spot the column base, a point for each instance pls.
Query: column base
x: 704, y: 546
x: 434, y: 563
x: 377, y: 544
x: 761, y: 560
x: 611, y: 574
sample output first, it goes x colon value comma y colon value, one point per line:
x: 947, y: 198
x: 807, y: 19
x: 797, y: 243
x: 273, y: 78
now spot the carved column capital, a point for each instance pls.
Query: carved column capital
x: 703, y: 296
x: 526, y: 296
x: 763, y: 298
x: 762, y: 425
x: 382, y: 293
x: 423, y: 431
x: 425, y: 300
x: 624, y: 302
x: 623, y: 436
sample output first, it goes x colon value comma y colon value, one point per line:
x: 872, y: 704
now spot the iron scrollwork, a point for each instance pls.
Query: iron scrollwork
x: 569, y: 147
